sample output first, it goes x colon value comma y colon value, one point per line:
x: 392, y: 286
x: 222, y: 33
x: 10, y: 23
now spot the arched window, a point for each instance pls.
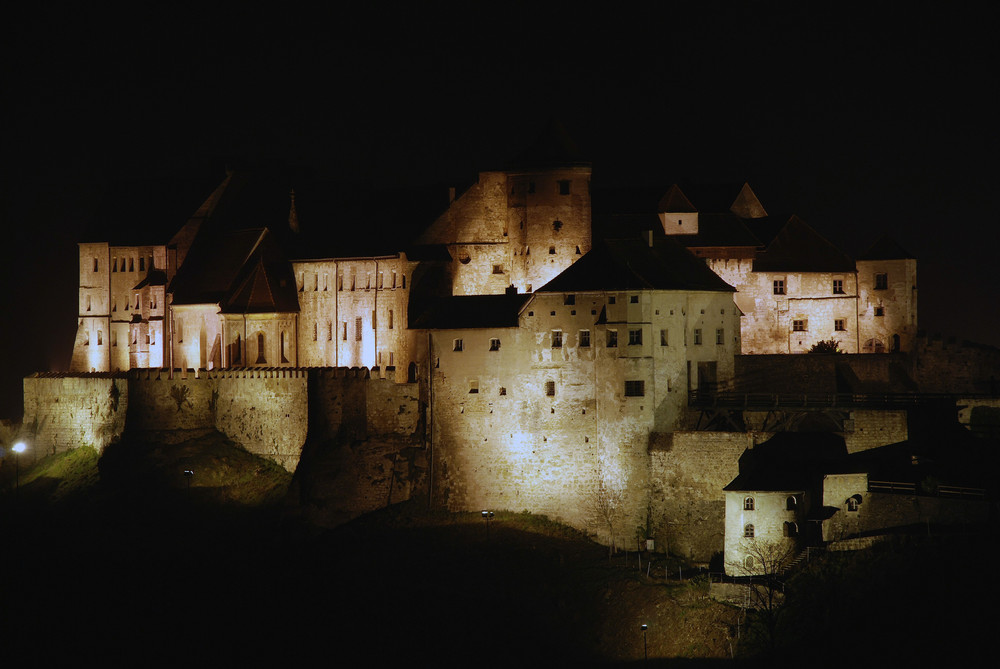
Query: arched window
x: 852, y: 504
x: 411, y: 373
x: 791, y: 529
x: 748, y: 563
x: 748, y: 531
x: 791, y: 503
x: 261, y: 360
x: 748, y: 504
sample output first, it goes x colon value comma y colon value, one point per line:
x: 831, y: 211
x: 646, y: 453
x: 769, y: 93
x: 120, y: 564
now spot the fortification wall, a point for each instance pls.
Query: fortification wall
x: 941, y: 366
x: 265, y: 411
x: 159, y: 403
x: 688, y: 471
x: 62, y: 412
x: 874, y: 428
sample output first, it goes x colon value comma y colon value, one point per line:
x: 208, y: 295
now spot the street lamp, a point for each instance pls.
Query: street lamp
x: 645, y: 653
x: 487, y: 516
x: 18, y: 448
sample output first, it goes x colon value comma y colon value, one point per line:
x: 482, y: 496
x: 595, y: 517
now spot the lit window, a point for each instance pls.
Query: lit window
x: 634, y: 336
x: 664, y: 338
x: 584, y: 338
x: 799, y: 325
x: 635, y: 388
x: 550, y: 388
x: 457, y: 345
x: 720, y: 336
x: 612, y: 338
x: 748, y: 531
x: 494, y: 344
x: 881, y: 281
x: 838, y: 286
x: 697, y: 336
x: 748, y: 504
x: 779, y: 286
x: 557, y: 339
x: 840, y: 324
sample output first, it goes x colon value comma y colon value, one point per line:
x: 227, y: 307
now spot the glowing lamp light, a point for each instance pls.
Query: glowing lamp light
x: 19, y: 447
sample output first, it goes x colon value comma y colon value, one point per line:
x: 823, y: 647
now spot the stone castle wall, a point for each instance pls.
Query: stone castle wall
x: 263, y: 410
x: 688, y: 471
x: 62, y: 412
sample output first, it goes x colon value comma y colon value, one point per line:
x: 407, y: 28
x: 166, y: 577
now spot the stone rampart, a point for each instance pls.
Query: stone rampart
x: 688, y: 471
x: 63, y: 411
x: 265, y: 410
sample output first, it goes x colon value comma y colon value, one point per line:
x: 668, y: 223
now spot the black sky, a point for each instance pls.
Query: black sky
x: 861, y: 122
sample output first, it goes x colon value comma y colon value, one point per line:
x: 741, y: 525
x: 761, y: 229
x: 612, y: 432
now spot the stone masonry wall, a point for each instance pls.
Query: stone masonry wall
x: 63, y: 412
x: 688, y: 471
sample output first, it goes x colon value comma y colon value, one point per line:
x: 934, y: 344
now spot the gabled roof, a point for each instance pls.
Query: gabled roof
x: 717, y: 230
x: 632, y: 264
x: 674, y: 201
x: 886, y: 249
x: 242, y: 271
x: 799, y: 248
x: 460, y: 312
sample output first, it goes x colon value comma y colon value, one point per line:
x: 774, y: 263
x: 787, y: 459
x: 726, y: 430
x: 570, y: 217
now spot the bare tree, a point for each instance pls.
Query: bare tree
x: 608, y: 504
x: 764, y: 564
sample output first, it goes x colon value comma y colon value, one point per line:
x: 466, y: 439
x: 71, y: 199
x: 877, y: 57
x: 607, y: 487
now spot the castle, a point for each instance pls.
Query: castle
x: 547, y: 349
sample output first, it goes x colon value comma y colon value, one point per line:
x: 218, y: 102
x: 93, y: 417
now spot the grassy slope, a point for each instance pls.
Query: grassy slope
x: 116, y: 558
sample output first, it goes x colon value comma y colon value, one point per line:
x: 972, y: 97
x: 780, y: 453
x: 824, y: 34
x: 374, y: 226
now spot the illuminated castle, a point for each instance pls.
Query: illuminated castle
x: 551, y: 342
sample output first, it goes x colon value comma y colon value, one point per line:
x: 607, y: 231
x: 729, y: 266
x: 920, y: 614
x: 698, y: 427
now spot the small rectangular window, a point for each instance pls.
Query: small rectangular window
x: 584, y: 338
x: 494, y: 344
x: 344, y: 333
x: 633, y: 299
x: 635, y: 388
x: 634, y: 336
x: 557, y: 339
x: 612, y: 338
x: 881, y: 281
x: 799, y: 325
x: 664, y: 338
x: 550, y: 388
x: 611, y: 299
x: 457, y: 345
x: 95, y: 264
x: 498, y: 269
x: 329, y: 331
x: 838, y: 286
x: 569, y: 299
x: 779, y: 286
x: 697, y: 336
x: 357, y: 329
x: 720, y: 336
x: 473, y: 387
x: 390, y: 319
x: 142, y: 264
x: 840, y: 324
x: 564, y: 187
x: 880, y: 311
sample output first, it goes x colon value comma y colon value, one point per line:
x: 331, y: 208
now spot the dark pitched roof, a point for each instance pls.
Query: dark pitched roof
x: 799, y: 248
x: 886, y: 249
x: 471, y: 311
x: 716, y: 230
x: 790, y: 461
x: 242, y: 271
x: 674, y: 201
x: 632, y: 264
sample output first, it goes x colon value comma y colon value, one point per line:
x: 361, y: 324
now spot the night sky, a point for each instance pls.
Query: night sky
x: 861, y: 123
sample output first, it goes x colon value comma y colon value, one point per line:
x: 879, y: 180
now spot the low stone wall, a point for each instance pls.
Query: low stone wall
x: 62, y: 412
